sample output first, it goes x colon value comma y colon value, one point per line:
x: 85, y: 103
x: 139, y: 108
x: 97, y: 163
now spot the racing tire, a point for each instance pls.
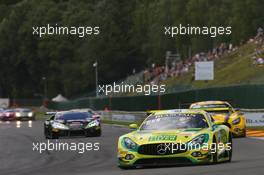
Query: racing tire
x: 244, y: 133
x: 93, y: 134
x: 126, y: 167
x: 215, y: 154
x: 98, y: 133
x: 46, y: 133
x: 231, y: 150
x: 53, y: 135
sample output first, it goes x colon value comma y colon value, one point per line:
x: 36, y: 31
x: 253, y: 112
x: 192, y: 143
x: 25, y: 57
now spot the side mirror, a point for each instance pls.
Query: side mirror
x: 239, y: 111
x: 96, y: 116
x: 133, y: 126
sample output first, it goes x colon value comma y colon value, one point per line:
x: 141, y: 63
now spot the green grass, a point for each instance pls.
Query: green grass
x: 121, y: 122
x: 40, y: 115
x: 233, y: 69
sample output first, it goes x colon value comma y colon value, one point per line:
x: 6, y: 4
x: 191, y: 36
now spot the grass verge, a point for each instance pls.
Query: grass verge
x: 124, y: 123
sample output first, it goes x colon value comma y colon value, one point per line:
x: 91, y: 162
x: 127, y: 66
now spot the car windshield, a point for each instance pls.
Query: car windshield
x: 174, y: 121
x: 23, y: 110
x: 9, y: 110
x: 73, y: 116
x: 215, y: 112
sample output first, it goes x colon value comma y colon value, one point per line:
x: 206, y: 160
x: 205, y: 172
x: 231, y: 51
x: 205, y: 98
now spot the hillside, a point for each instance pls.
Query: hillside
x: 232, y: 69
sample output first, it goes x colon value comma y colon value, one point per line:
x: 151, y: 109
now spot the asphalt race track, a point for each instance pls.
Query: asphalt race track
x: 17, y: 155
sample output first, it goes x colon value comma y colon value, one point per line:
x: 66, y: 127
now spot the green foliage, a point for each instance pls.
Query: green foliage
x: 132, y: 36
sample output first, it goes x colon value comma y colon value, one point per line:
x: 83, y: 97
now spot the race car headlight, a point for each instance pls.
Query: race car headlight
x: 30, y: 114
x: 203, y: 138
x: 59, y: 126
x: 129, y: 144
x: 18, y: 114
x: 236, y: 121
x: 92, y: 124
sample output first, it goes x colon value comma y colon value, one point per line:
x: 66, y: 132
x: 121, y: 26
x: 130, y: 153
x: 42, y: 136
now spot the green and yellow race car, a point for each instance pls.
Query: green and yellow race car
x: 223, y: 112
x: 175, y: 137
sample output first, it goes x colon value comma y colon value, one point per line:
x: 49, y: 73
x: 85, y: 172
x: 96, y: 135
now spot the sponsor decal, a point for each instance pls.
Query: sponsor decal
x: 254, y: 118
x: 162, y: 138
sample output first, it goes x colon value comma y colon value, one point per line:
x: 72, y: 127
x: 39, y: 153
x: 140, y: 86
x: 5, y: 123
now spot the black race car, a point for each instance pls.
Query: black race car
x: 72, y: 123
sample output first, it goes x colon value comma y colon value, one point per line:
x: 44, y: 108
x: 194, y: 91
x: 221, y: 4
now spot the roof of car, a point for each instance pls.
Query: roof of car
x: 20, y: 109
x: 172, y: 111
x: 209, y: 102
x: 82, y: 110
x: 70, y: 112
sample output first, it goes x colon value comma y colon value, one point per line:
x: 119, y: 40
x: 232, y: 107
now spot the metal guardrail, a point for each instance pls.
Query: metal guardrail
x: 124, y: 116
x: 252, y: 110
x: 254, y: 117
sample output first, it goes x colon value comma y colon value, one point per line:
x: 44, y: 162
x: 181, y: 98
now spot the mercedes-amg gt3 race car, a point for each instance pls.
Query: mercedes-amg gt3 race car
x: 222, y: 111
x: 71, y: 123
x: 175, y: 137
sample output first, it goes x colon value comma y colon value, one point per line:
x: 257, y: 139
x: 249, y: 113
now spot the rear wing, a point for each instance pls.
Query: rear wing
x: 185, y: 105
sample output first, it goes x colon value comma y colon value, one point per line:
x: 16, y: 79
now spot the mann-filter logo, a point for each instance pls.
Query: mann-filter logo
x: 162, y: 138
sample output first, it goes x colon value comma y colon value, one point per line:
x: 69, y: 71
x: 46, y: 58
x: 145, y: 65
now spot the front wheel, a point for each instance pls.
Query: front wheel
x: 126, y: 167
x: 46, y: 133
x: 214, y: 150
x: 53, y: 135
x: 230, y: 142
x: 93, y: 133
x: 98, y: 133
x: 244, y: 133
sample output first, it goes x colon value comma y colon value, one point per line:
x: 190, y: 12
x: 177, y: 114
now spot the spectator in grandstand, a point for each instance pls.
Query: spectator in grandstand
x: 158, y: 73
x: 134, y: 71
x: 259, y: 37
x: 260, y: 61
x: 259, y: 32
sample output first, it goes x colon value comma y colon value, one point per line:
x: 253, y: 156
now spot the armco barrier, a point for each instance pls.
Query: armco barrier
x: 243, y: 96
x: 253, y: 117
x: 123, y: 116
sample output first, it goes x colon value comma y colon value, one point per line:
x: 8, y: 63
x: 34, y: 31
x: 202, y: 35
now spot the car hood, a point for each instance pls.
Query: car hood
x: 224, y: 117
x: 171, y: 136
x: 220, y: 117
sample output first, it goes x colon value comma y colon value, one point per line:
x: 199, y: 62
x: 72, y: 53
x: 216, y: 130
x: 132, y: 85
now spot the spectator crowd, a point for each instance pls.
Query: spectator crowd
x: 176, y: 69
x: 259, y: 51
x: 155, y: 74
